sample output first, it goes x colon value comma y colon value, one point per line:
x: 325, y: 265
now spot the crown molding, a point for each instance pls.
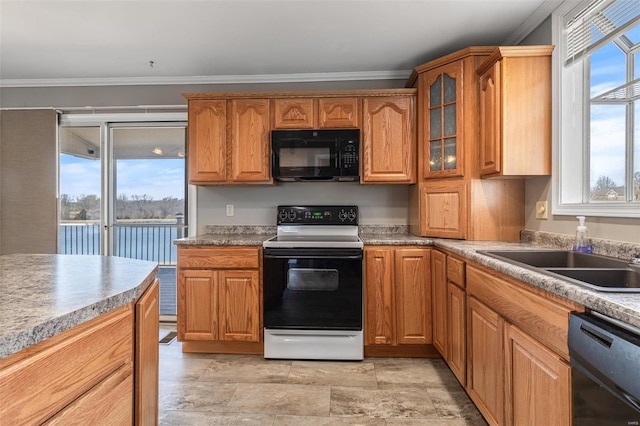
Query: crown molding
x: 212, y: 79
x: 537, y: 18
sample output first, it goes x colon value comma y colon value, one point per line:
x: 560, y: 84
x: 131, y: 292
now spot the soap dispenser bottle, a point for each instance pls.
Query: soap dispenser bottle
x: 582, y: 239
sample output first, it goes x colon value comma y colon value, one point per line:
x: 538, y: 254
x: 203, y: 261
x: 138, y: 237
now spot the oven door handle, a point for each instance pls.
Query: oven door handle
x: 324, y: 256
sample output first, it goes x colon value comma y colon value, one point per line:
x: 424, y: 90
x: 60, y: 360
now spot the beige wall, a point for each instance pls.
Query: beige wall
x: 28, y: 212
x: 256, y: 205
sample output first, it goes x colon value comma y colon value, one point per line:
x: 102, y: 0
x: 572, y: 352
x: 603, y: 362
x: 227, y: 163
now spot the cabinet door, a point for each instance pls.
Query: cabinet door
x: 457, y: 332
x: 207, y: 144
x: 388, y: 140
x: 442, y: 121
x: 197, y: 305
x: 538, y: 382
x: 334, y: 113
x: 250, y: 142
x: 485, y: 366
x: 379, y: 299
x: 293, y: 113
x: 413, y: 296
x: 443, y: 207
x: 490, y: 121
x: 239, y: 305
x: 439, y: 301
x: 147, y: 357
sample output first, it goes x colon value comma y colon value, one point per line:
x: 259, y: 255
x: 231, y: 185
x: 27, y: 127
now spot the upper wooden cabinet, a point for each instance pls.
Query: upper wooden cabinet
x: 316, y: 113
x: 451, y: 200
x: 230, y: 133
x: 515, y: 112
x: 442, y: 130
x: 250, y: 140
x: 207, y: 144
x: 388, y: 140
x: 336, y: 113
x: 229, y: 141
x: 294, y: 113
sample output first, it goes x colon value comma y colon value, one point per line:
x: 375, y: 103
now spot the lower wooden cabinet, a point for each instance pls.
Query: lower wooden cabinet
x: 439, y: 301
x: 449, y: 312
x: 537, y: 380
x: 397, y: 301
x: 457, y: 332
x: 147, y: 356
x: 485, y: 368
x: 219, y: 295
x: 518, y: 370
x: 76, y: 377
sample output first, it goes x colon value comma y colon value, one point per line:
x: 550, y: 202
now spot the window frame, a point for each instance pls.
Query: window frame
x: 571, y: 124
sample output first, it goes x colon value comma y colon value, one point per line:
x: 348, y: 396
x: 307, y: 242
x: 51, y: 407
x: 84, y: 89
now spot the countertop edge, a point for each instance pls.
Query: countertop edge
x: 16, y: 342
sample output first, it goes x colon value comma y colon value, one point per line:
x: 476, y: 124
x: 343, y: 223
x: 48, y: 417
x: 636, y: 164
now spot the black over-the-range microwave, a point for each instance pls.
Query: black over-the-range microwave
x: 316, y: 155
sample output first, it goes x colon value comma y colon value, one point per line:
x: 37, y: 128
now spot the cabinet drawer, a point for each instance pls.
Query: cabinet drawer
x: 39, y: 381
x: 108, y: 403
x: 542, y: 318
x: 219, y: 257
x: 455, y: 271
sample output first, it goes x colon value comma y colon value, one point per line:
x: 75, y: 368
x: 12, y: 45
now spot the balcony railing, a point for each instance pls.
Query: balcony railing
x: 144, y: 241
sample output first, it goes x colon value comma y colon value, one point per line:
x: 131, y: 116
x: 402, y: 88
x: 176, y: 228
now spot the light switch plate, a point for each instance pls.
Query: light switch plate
x: 542, y: 209
x: 229, y: 209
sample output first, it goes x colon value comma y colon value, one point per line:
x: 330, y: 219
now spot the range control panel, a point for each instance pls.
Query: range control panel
x: 317, y: 215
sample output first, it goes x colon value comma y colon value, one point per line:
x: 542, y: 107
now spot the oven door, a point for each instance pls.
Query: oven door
x: 297, y: 158
x: 312, y: 289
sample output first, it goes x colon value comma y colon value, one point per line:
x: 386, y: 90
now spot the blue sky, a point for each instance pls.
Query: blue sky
x: 158, y: 178
x: 608, y: 121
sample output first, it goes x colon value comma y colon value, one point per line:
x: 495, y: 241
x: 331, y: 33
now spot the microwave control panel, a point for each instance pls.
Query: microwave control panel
x: 350, y: 154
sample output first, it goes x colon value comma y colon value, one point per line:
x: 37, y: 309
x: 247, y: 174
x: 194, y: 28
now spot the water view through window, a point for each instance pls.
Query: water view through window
x: 131, y: 203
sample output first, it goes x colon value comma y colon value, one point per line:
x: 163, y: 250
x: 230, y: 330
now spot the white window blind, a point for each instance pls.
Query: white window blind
x: 597, y: 24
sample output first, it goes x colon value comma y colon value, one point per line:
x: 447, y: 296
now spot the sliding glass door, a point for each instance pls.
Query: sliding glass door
x: 123, y: 193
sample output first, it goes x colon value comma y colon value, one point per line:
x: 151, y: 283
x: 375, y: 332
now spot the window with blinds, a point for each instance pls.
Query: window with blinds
x: 599, y: 89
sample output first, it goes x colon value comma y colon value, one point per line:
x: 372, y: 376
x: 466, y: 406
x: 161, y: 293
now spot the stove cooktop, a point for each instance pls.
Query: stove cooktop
x: 320, y: 241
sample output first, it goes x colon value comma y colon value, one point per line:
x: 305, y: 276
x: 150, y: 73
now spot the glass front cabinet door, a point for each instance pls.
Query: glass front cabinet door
x: 442, y: 121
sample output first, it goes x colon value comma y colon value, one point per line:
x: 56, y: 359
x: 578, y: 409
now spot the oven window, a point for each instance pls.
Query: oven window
x: 312, y: 293
x: 299, y: 279
x: 305, y: 157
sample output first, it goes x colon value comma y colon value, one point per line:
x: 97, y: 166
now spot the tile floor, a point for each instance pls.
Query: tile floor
x: 215, y: 389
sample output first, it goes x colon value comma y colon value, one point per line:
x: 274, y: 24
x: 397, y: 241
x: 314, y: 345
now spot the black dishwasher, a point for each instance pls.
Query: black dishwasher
x: 605, y: 361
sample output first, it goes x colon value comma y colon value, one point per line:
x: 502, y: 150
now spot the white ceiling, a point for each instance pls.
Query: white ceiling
x: 91, y: 42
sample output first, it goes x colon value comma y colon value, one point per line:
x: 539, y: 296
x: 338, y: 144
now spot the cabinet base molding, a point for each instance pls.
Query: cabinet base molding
x: 250, y: 348
x: 402, y: 351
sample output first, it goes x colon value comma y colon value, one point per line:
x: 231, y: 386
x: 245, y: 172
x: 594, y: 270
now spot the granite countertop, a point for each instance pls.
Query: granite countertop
x: 622, y: 306
x: 394, y: 239
x: 44, y: 295
x: 240, y: 239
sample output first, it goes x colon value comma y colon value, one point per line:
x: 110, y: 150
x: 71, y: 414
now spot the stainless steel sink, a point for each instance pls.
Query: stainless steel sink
x: 624, y: 280
x: 598, y: 272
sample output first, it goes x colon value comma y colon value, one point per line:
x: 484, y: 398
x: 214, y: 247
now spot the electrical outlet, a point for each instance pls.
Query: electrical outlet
x: 229, y: 209
x: 542, y: 209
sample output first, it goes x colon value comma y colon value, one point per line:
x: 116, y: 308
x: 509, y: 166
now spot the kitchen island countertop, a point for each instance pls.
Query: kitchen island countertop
x: 46, y: 294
